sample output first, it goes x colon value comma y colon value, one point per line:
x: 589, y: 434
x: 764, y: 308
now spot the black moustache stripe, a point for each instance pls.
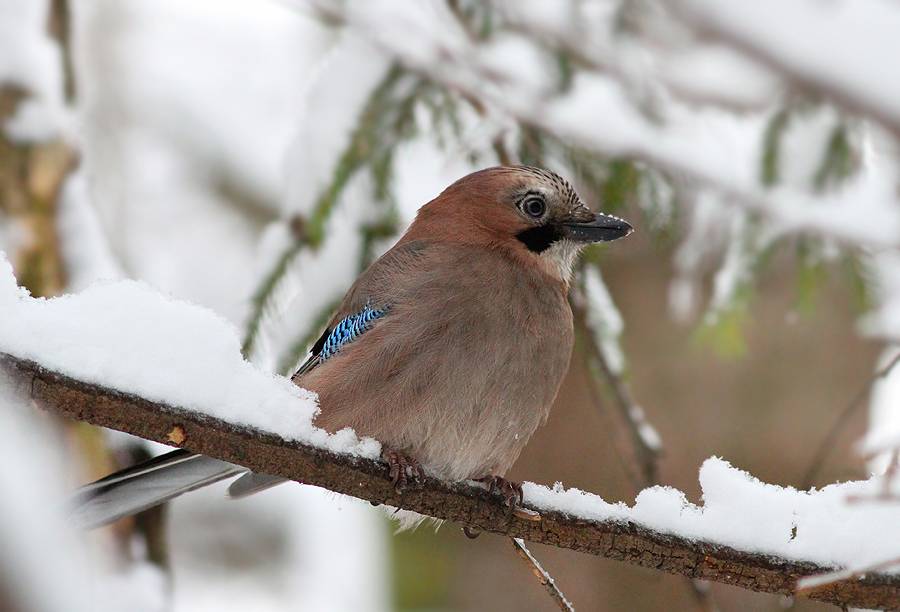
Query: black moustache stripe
x: 538, y: 239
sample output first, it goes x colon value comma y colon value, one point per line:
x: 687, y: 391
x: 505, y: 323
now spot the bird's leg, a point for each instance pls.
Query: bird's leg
x: 403, y: 467
x: 511, y: 490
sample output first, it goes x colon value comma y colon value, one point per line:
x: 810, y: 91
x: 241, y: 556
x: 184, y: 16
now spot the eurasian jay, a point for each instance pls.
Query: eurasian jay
x: 449, y: 349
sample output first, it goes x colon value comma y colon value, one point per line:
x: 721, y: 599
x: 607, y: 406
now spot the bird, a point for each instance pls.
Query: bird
x: 449, y: 349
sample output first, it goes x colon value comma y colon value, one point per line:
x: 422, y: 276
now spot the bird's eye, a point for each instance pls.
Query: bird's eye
x: 534, y: 207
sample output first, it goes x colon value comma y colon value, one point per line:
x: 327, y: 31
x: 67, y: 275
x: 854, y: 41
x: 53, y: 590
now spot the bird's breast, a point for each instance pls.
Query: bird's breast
x: 461, y: 371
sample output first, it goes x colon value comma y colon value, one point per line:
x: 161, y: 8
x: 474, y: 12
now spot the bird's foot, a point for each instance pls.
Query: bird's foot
x: 511, y: 490
x: 403, y: 469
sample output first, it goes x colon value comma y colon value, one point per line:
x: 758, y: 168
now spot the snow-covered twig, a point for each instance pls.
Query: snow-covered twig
x: 828, y: 442
x: 842, y: 52
x: 707, y: 145
x: 462, y: 503
x: 644, y: 440
x: 809, y: 583
x: 543, y: 577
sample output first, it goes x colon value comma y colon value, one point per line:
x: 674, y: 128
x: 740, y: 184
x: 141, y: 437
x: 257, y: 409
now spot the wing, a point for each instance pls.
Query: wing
x: 367, y: 301
x: 334, y: 338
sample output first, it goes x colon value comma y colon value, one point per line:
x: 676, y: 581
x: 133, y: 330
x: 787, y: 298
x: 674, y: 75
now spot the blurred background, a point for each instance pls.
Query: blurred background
x: 253, y: 156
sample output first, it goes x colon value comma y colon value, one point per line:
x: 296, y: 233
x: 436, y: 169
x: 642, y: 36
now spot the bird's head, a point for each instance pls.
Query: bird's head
x: 532, y: 213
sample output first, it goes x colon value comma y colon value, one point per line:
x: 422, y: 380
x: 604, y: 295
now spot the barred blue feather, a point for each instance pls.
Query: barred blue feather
x: 349, y: 329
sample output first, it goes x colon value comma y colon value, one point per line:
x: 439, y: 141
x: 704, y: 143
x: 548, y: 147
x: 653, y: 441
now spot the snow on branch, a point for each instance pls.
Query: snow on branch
x: 124, y: 356
x: 463, y: 503
x: 846, y: 49
x: 620, y: 100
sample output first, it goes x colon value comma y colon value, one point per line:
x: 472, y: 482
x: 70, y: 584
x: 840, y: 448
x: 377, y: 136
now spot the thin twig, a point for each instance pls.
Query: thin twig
x: 810, y: 583
x: 826, y: 445
x: 634, y: 475
x: 887, y: 480
x: 646, y: 456
x: 542, y: 576
x: 701, y: 591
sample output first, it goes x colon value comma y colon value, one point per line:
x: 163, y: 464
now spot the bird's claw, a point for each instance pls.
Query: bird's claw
x: 403, y: 469
x: 511, y: 490
x: 512, y: 495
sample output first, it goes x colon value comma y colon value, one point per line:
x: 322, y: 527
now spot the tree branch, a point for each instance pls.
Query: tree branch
x: 459, y: 502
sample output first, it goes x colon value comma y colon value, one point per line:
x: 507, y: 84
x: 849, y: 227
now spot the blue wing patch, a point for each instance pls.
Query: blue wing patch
x: 349, y: 329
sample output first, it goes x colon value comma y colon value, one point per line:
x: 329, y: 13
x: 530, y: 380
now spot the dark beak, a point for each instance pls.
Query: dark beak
x: 602, y: 229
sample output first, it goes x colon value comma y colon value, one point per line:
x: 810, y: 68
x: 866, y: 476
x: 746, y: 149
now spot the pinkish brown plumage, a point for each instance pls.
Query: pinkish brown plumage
x: 477, y: 335
x: 449, y: 349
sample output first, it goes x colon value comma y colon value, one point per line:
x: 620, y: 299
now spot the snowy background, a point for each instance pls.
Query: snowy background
x: 244, y: 159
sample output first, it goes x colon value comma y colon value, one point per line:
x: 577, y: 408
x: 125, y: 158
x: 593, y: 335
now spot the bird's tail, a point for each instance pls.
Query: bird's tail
x: 143, y: 486
x: 251, y: 483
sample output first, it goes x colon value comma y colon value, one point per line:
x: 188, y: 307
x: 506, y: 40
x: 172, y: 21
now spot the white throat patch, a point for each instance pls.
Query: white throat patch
x: 560, y: 257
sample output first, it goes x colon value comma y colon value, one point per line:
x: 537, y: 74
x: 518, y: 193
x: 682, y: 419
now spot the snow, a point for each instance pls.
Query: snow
x: 884, y: 321
x: 702, y: 239
x: 518, y: 64
x: 42, y: 565
x: 216, y: 102
x: 649, y: 436
x: 542, y: 15
x: 847, y: 48
x: 841, y: 525
x: 85, y: 249
x: 593, y: 94
x: 423, y: 172
x: 319, y: 278
x: 336, y: 96
x: 717, y: 148
x: 287, y: 548
x: 604, y: 319
x: 138, y: 587
x: 187, y: 111
x: 806, y: 131
x: 734, y: 272
x: 884, y: 417
x: 128, y: 336
x: 719, y: 75
x: 209, y: 95
x: 30, y: 60
x: 316, y: 279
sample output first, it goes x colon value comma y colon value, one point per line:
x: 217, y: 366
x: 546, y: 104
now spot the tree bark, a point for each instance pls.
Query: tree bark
x: 459, y: 502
